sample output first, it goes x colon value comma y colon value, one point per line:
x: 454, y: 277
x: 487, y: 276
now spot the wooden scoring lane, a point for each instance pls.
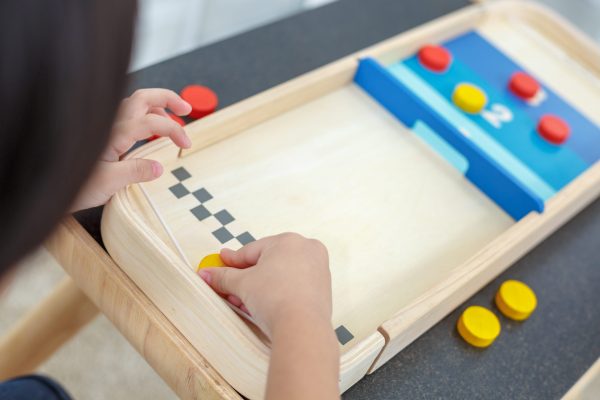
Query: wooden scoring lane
x: 508, y: 26
x: 342, y: 170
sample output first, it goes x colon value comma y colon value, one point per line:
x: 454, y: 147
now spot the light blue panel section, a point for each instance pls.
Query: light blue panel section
x: 442, y: 147
x: 472, y: 131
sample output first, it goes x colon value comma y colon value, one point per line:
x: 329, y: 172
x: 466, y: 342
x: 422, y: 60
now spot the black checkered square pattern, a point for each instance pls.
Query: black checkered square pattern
x: 343, y: 335
x: 224, y: 218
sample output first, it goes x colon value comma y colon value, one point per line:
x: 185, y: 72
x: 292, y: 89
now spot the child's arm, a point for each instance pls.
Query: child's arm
x: 285, y: 284
x: 140, y: 116
x: 304, y: 359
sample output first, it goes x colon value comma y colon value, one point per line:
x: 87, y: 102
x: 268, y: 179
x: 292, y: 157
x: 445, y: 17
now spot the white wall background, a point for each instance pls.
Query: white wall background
x: 167, y: 28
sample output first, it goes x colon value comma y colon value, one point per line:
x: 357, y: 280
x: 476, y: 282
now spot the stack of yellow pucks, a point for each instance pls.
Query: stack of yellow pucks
x: 479, y: 326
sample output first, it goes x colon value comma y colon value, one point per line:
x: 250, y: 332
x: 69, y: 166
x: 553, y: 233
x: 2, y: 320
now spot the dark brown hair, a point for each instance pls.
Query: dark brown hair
x: 62, y: 73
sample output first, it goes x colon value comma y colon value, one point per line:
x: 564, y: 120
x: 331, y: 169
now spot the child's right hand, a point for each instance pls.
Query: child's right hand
x: 276, y: 277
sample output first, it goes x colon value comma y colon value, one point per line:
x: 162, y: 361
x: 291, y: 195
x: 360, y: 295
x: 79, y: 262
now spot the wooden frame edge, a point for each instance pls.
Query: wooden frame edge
x: 408, y: 324
x: 269, y: 103
x: 167, y: 351
x: 587, y: 386
x: 279, y: 99
x: 202, y: 337
x: 466, y: 280
x: 310, y: 85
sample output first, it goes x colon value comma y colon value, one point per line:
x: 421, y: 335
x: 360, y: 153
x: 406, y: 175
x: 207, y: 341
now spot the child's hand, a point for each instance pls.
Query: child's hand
x: 140, y: 116
x: 275, y: 278
x: 284, y: 282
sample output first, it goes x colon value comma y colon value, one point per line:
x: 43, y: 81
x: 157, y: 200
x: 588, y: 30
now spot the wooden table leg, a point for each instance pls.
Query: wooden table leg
x: 44, y: 329
x: 177, y: 362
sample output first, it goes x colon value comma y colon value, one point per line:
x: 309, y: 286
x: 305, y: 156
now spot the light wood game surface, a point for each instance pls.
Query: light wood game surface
x: 357, y: 185
x: 408, y: 235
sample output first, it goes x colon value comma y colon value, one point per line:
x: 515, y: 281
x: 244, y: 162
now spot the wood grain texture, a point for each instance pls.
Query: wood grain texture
x: 178, y: 363
x: 44, y: 329
x: 317, y: 156
x: 360, y: 183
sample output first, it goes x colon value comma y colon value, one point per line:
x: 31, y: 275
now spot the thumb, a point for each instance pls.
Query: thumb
x: 109, y: 177
x: 224, y: 280
x: 136, y: 170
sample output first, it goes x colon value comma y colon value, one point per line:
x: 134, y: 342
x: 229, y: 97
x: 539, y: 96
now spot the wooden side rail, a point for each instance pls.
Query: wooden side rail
x: 135, y: 316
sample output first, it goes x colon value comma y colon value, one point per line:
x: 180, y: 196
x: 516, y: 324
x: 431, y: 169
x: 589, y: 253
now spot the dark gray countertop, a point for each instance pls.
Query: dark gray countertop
x: 538, y: 359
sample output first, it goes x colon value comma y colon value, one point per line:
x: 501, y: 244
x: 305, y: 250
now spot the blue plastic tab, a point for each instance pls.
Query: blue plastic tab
x: 484, y: 172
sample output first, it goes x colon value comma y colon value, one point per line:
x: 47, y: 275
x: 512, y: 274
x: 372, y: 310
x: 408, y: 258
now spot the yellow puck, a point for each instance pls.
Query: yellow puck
x: 516, y: 300
x: 469, y: 98
x: 478, y: 326
x: 210, y: 261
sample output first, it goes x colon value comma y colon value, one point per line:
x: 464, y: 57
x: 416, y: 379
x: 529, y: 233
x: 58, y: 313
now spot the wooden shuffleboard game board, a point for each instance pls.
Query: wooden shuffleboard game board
x: 421, y: 196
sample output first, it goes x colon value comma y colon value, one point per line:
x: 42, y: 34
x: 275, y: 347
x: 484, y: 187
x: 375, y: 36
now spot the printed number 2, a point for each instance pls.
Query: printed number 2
x: 497, y: 114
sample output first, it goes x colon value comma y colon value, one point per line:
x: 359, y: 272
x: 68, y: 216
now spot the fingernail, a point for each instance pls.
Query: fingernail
x: 244, y: 309
x: 187, y: 142
x: 189, y: 107
x: 205, y: 275
x: 157, y: 169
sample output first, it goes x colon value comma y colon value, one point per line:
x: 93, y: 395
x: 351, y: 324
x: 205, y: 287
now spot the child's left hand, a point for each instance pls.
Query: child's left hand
x: 140, y: 116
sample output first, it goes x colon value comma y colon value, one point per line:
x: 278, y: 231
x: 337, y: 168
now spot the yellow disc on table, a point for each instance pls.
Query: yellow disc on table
x: 516, y: 300
x: 478, y: 326
x: 469, y: 98
x: 210, y: 261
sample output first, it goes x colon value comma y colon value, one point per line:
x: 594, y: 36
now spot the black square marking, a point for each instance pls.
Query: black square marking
x: 224, y: 217
x: 245, y: 238
x: 223, y: 235
x: 202, y: 195
x: 181, y: 174
x: 200, y: 212
x: 179, y: 190
x: 343, y: 334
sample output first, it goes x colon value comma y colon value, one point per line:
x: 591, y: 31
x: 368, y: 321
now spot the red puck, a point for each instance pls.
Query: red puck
x: 203, y: 100
x: 553, y: 129
x: 523, y: 85
x: 435, y: 58
x: 177, y: 119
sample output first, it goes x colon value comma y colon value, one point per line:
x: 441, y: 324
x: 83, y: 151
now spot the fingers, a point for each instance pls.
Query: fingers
x: 143, y: 101
x: 245, y: 257
x: 249, y: 255
x: 159, y: 111
x: 126, y: 133
x: 143, y: 115
x: 123, y: 173
x: 110, y: 177
x: 224, y: 280
x: 236, y: 301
